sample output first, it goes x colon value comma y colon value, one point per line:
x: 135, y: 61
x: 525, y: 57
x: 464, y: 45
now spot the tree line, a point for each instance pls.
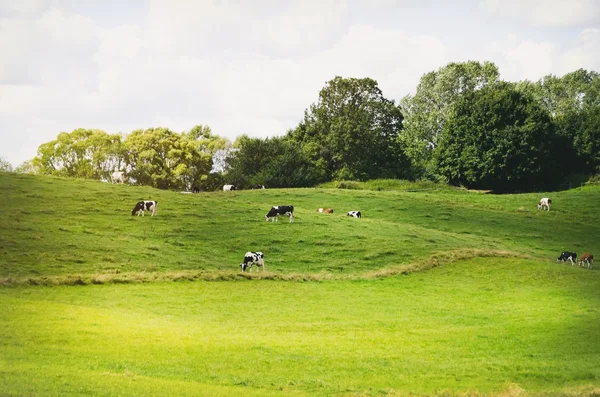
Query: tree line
x: 463, y: 125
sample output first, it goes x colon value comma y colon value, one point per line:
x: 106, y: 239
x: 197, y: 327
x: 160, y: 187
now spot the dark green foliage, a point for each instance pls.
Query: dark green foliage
x: 498, y: 138
x: 428, y: 109
x: 573, y: 102
x: 273, y: 162
x: 352, y: 132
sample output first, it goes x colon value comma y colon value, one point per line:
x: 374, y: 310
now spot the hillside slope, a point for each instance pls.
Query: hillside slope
x: 57, y: 226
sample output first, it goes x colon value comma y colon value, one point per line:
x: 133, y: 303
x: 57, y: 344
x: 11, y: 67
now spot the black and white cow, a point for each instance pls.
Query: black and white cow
x: 567, y: 256
x: 142, y: 206
x: 354, y: 214
x: 544, y: 203
x: 228, y: 188
x: 257, y: 186
x: 275, y: 211
x: 253, y: 258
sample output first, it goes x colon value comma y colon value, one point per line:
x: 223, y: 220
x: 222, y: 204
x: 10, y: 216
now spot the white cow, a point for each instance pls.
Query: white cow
x: 118, y: 176
x: 545, y: 202
x: 227, y: 188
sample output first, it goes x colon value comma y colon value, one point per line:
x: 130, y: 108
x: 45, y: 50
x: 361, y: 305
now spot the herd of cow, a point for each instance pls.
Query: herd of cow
x: 257, y: 258
x: 586, y: 259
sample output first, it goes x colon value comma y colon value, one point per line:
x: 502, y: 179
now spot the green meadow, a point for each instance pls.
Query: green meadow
x: 435, y: 291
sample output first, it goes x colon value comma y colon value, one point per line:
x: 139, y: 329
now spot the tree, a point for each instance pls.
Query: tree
x: 27, y: 167
x: 5, y: 165
x: 427, y: 111
x: 497, y: 138
x: 273, y: 162
x: 82, y: 153
x: 573, y: 101
x: 164, y: 159
x: 352, y: 132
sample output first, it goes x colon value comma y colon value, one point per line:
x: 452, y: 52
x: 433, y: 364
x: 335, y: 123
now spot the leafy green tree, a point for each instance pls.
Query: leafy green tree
x: 27, y: 167
x: 210, y: 148
x: 426, y: 112
x: 165, y: 159
x: 273, y: 162
x: 352, y: 132
x: 82, y: 153
x: 497, y: 138
x: 5, y: 165
x: 573, y: 101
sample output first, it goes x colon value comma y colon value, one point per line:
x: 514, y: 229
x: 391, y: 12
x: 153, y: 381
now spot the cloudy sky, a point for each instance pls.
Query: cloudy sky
x: 254, y: 66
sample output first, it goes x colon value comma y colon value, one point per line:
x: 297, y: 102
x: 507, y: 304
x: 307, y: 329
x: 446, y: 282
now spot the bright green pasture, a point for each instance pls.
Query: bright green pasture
x: 486, y: 325
x: 57, y: 226
x: 490, y: 325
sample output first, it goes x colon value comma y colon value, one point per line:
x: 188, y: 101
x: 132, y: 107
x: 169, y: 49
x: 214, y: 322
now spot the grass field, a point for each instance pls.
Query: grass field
x: 435, y: 292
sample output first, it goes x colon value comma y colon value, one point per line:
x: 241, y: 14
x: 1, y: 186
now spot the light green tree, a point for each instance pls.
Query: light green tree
x: 82, y: 153
x: 5, y: 165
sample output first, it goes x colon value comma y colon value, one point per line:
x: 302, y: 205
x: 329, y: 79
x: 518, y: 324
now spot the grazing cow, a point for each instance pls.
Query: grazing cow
x: 567, y: 256
x: 326, y: 210
x: 142, y: 206
x: 274, y: 212
x: 545, y: 202
x: 227, y: 188
x: 253, y: 258
x: 257, y: 186
x: 354, y: 214
x: 587, y: 258
x: 118, y: 176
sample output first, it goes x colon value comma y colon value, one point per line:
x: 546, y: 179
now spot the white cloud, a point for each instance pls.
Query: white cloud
x: 546, y: 12
x: 520, y: 59
x: 237, y: 66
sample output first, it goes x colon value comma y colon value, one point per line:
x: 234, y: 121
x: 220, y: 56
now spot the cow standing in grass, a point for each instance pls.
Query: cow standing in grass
x: 567, y: 256
x: 253, y: 258
x: 229, y: 188
x: 544, y: 203
x: 275, y: 211
x: 142, y: 206
x: 587, y: 259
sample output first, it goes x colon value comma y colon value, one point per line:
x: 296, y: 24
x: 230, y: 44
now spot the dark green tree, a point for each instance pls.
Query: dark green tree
x: 498, y: 138
x: 573, y: 101
x: 352, y: 132
x: 427, y: 111
x: 273, y: 162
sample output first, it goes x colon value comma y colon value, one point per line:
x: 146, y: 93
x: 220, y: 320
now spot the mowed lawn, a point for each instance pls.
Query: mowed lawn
x: 496, y: 315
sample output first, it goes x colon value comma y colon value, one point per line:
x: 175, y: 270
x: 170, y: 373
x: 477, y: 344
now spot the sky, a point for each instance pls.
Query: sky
x: 254, y: 67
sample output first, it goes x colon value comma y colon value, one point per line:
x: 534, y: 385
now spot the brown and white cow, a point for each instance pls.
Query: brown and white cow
x: 325, y: 210
x: 587, y: 258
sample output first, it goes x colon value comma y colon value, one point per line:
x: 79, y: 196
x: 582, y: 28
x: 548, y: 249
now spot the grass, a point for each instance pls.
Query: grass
x: 444, y: 292
x: 508, y: 321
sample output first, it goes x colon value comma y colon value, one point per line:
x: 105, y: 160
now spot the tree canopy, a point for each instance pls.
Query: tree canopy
x: 352, y: 132
x: 497, y: 138
x: 427, y: 111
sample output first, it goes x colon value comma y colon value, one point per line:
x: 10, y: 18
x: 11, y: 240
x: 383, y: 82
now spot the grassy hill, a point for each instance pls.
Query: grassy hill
x: 438, y: 292
x: 57, y: 226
